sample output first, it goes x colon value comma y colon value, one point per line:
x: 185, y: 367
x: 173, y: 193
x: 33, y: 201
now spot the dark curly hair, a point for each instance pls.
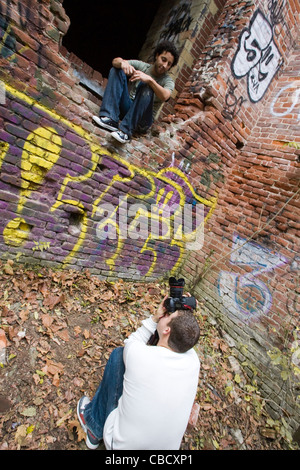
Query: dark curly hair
x: 167, y: 46
x: 185, y: 331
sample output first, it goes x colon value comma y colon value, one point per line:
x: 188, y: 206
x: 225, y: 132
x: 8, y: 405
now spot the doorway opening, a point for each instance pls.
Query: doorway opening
x: 100, y: 31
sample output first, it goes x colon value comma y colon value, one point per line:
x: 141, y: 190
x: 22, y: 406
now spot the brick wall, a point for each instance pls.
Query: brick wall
x: 187, y: 23
x: 228, y: 145
x: 247, y: 273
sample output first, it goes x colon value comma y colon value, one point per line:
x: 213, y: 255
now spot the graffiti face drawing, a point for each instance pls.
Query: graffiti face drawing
x: 257, y: 56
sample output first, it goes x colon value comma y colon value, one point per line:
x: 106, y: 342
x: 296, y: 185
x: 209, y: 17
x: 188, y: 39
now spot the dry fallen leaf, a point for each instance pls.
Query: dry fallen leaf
x: 55, y: 380
x: 108, y: 323
x: 3, y: 340
x: 47, y: 320
x: 52, y: 300
x: 53, y: 369
x: 64, y: 335
x: 78, y: 429
x: 77, y: 330
x: 64, y: 418
x: 21, y: 434
x: 107, y: 295
x: 24, y: 314
x: 30, y: 411
x: 7, y: 268
x: 86, y: 334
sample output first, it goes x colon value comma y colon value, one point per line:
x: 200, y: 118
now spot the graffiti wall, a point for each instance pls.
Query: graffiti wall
x: 247, y: 274
x: 64, y: 198
x: 212, y: 193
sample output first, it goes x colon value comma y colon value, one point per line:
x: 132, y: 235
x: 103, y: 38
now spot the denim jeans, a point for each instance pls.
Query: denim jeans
x: 135, y: 115
x: 107, y: 394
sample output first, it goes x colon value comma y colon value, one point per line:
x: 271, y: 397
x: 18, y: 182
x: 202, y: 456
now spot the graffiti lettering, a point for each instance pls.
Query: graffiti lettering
x: 257, y: 56
x: 8, y: 43
x: 2, y: 93
x: 62, y: 181
x: 294, y: 95
x: 244, y: 295
x: 179, y: 21
x: 276, y: 11
x: 232, y: 103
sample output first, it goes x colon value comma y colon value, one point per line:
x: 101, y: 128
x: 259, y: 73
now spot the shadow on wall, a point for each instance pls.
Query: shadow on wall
x: 100, y: 31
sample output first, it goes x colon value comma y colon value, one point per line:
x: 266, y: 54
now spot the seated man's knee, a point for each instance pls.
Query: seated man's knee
x: 114, y: 72
x: 145, y: 90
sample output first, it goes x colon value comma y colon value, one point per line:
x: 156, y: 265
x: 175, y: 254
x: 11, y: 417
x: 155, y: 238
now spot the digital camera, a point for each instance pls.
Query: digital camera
x: 177, y: 301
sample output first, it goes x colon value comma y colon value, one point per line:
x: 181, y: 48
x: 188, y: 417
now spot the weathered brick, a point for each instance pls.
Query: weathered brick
x: 243, y: 153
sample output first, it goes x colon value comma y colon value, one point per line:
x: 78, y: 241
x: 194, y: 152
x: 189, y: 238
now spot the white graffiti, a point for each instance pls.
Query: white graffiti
x: 2, y: 92
x: 257, y: 56
x: 294, y: 97
x: 244, y: 295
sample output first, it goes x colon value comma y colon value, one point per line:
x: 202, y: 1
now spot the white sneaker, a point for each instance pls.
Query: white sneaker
x: 121, y: 137
x: 106, y: 123
x: 91, y: 441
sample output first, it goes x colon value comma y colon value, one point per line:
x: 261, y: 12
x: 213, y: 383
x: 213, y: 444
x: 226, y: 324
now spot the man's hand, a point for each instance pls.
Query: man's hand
x: 161, y: 311
x: 139, y: 75
x: 123, y: 64
x: 162, y: 93
x: 189, y: 295
x: 127, y: 68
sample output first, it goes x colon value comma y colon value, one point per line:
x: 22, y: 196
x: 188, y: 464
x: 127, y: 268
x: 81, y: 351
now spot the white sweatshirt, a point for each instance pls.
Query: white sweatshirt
x: 158, y: 394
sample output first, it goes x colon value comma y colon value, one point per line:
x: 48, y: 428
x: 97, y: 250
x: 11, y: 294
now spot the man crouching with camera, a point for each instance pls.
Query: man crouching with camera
x: 148, y: 388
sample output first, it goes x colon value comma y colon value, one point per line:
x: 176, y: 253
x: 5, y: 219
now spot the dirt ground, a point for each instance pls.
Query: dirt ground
x: 60, y: 328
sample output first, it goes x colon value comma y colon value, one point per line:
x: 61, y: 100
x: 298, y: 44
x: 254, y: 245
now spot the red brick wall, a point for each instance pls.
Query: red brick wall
x: 230, y: 145
x: 247, y: 273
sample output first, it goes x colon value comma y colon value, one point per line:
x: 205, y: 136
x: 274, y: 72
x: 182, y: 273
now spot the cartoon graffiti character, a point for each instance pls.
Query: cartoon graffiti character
x: 257, y: 56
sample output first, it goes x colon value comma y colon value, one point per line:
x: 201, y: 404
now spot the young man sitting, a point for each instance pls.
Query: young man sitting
x: 134, y: 92
x: 147, y: 392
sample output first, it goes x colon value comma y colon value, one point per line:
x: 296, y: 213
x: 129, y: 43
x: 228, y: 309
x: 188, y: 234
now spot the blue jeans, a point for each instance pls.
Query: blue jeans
x: 135, y: 115
x: 107, y: 394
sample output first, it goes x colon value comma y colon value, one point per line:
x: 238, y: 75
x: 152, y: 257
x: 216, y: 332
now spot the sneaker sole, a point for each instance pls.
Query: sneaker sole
x: 90, y: 445
x: 105, y: 126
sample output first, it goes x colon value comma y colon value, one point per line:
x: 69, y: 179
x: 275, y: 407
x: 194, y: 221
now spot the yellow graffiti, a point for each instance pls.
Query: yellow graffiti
x: 147, y: 247
x: 16, y: 232
x: 3, y: 41
x: 150, y: 175
x: 3, y: 151
x: 42, y: 150
x: 40, y: 153
x: 5, y: 36
x: 96, y: 152
x: 207, y: 202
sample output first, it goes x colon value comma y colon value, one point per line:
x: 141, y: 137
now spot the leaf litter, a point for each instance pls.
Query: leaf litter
x: 57, y: 330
